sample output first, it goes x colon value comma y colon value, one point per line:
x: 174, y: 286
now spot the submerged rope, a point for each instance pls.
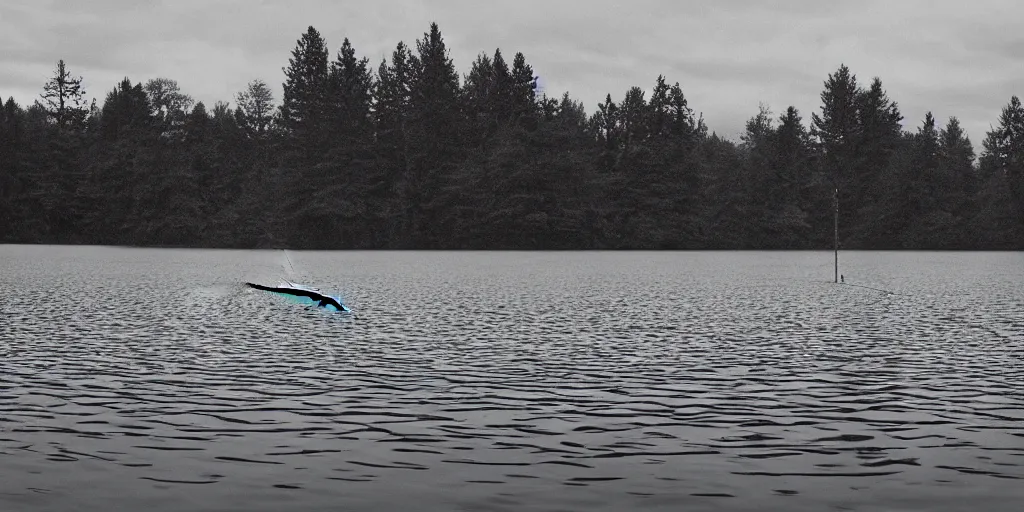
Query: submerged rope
x: 289, y: 261
x: 872, y: 288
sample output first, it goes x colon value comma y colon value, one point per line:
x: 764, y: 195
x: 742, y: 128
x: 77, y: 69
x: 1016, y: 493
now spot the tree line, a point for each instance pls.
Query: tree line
x: 409, y: 154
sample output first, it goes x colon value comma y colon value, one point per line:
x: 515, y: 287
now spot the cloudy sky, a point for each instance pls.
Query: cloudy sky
x: 950, y: 57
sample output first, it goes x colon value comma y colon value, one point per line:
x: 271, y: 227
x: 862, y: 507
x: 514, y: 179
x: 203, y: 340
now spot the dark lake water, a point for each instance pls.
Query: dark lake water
x: 138, y: 379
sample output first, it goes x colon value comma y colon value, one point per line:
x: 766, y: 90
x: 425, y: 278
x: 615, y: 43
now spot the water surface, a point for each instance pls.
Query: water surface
x: 139, y: 379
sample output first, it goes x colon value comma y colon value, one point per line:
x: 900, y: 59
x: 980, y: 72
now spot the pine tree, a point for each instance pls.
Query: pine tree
x: 197, y: 124
x: 1003, y: 160
x: 760, y: 131
x: 392, y: 105
x: 478, y: 97
x: 10, y: 133
x: 755, y: 186
x: 684, y: 129
x: 912, y: 194
x: 792, y: 147
x: 1004, y: 145
x: 872, y: 169
x: 928, y: 144
x: 572, y: 113
x: 797, y: 190
x: 501, y: 89
x: 523, y: 89
x: 659, y: 113
x: 64, y: 99
x: 607, y: 122
x: 633, y: 117
x: 956, y: 158
x: 837, y: 128
x: 435, y: 134
x: 434, y: 92
x: 126, y: 112
x: 350, y: 97
x: 837, y: 131
x: 392, y: 110
x: 10, y: 185
x: 304, y: 106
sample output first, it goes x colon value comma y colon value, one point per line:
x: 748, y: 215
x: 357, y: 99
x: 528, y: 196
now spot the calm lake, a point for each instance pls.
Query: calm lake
x: 153, y: 379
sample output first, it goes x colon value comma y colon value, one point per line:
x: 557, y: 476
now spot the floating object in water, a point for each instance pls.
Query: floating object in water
x: 321, y: 299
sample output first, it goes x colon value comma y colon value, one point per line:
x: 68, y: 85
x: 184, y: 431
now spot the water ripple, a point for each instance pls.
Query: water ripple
x: 510, y: 381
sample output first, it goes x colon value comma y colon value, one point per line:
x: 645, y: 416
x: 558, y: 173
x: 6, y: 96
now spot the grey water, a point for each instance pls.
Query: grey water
x: 152, y: 379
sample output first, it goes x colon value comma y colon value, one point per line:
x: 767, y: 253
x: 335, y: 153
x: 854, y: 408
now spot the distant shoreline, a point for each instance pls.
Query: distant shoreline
x: 222, y: 248
x: 407, y: 155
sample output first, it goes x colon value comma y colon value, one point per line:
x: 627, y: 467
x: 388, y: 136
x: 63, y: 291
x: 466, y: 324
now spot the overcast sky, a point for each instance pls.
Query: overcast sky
x: 951, y: 57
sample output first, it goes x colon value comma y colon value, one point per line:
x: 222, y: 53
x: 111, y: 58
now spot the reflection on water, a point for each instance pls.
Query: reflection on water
x: 154, y: 379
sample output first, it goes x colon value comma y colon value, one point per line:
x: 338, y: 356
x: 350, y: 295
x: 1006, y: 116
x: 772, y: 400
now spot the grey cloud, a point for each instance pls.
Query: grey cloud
x: 730, y: 56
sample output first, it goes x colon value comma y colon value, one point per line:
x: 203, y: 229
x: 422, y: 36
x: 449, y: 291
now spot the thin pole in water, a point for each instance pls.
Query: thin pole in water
x: 836, y: 222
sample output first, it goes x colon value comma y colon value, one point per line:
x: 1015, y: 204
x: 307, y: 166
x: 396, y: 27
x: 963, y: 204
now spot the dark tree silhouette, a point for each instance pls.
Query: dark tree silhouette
x: 255, y: 111
x: 407, y: 155
x: 168, y: 105
x: 64, y: 98
x: 304, y: 107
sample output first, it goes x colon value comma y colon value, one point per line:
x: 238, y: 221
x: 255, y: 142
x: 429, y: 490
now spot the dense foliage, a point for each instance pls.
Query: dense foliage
x: 408, y: 154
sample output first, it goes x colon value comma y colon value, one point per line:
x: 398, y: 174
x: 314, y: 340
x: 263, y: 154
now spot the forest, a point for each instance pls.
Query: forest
x: 408, y: 153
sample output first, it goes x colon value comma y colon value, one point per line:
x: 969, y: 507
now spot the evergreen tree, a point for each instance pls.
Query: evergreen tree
x: 11, y: 120
x: 57, y: 173
x: 659, y: 111
x: 393, y: 101
x: 434, y: 88
x: 392, y: 105
x: 572, y: 115
x: 435, y: 144
x: 760, y: 130
x: 501, y: 93
x: 796, y: 189
x: 956, y: 159
x: 793, y: 148
x: 434, y: 93
x: 684, y: 128
x: 304, y: 106
x: 880, y: 137
x: 1004, y: 145
x: 126, y: 112
x: 197, y: 124
x: 350, y: 97
x: 754, y: 184
x: 837, y: 128
x: 1002, y: 172
x: 523, y: 90
x: 477, y: 98
x: 913, y: 193
x: 633, y: 118
x: 64, y: 99
x: 608, y: 125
